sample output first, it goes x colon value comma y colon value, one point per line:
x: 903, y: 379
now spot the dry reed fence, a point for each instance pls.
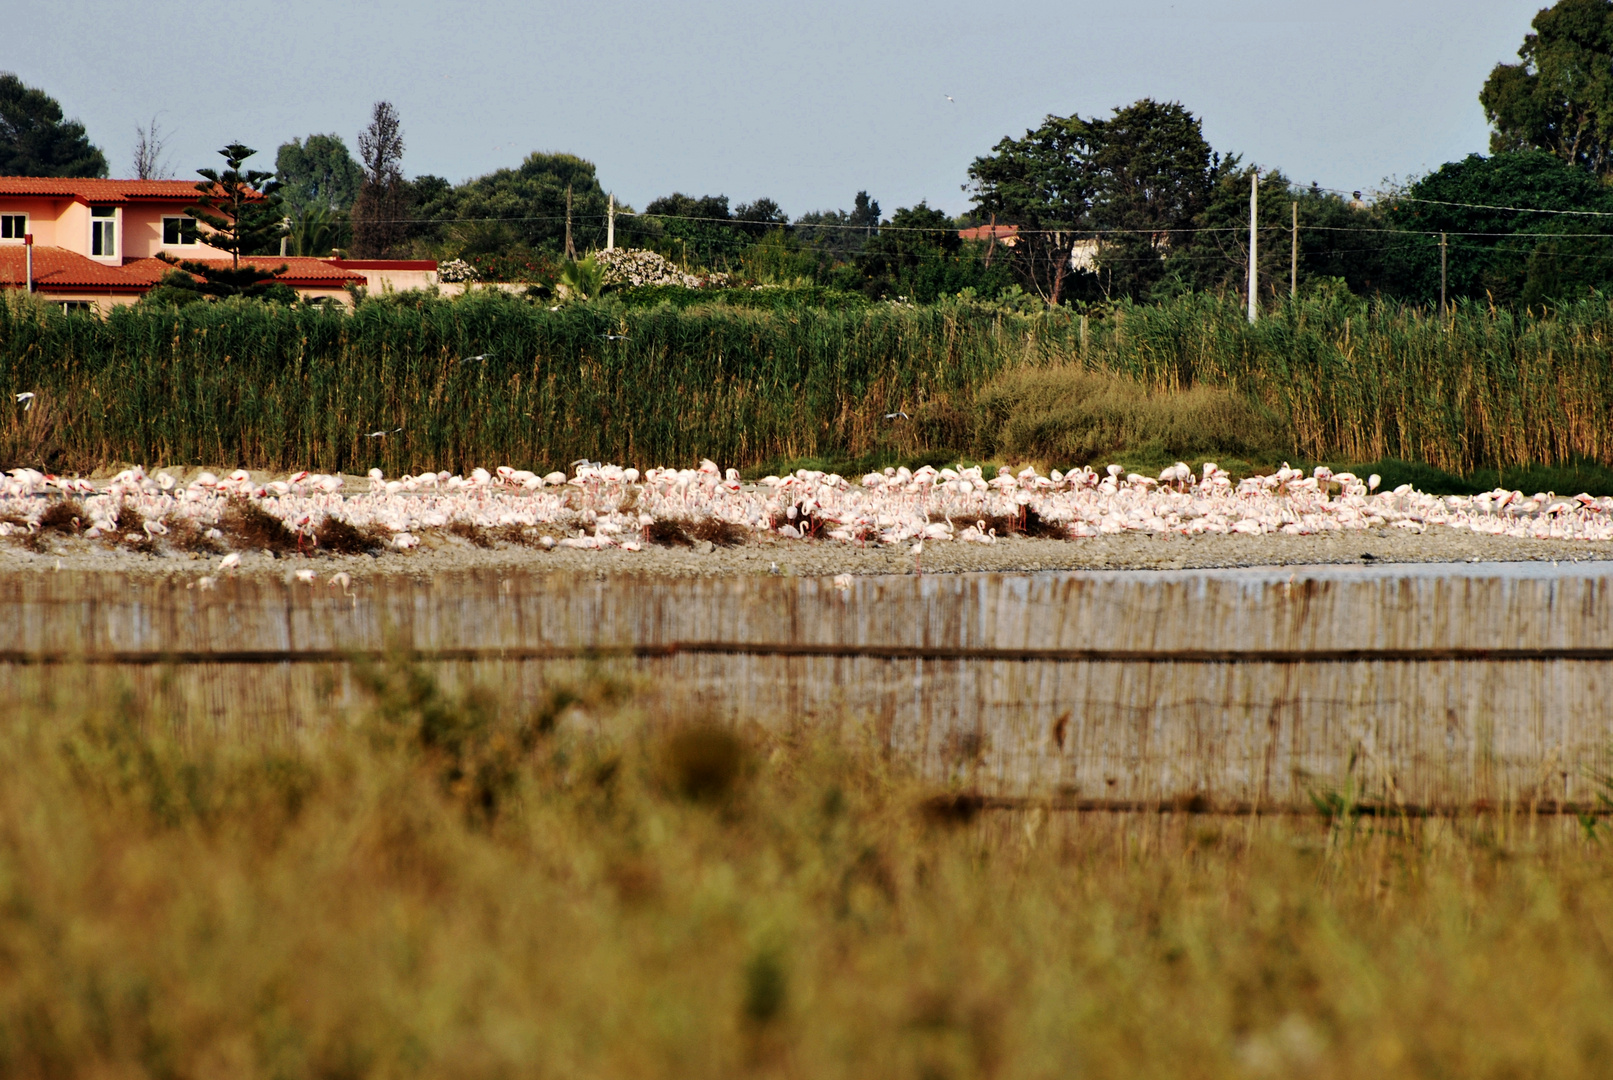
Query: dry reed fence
x: 1387, y: 684
x: 487, y: 379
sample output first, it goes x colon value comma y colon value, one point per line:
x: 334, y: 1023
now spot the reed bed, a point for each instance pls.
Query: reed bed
x: 441, y: 885
x: 487, y: 379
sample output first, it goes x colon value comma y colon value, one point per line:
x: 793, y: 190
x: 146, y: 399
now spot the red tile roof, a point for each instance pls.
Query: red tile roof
x: 300, y: 270
x: 98, y: 191
x: 59, y: 269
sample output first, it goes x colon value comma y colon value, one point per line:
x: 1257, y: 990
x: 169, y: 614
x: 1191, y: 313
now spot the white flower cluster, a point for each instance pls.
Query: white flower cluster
x: 456, y: 270
x: 637, y: 266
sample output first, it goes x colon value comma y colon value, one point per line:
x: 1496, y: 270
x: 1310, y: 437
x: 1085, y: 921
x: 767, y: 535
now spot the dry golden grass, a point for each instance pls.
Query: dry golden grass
x: 447, y: 887
x: 1073, y: 416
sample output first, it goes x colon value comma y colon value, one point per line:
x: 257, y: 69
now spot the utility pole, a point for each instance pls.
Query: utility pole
x: 571, y: 250
x: 1254, y: 221
x: 610, y: 224
x: 1293, y: 262
x: 28, y: 242
x: 1442, y: 266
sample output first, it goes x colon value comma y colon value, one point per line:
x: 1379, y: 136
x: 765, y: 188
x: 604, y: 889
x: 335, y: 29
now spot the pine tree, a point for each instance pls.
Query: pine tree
x: 241, y: 209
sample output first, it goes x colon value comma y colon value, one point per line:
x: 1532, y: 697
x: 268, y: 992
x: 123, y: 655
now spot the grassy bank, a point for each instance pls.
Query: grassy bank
x: 487, y: 380
x: 447, y: 888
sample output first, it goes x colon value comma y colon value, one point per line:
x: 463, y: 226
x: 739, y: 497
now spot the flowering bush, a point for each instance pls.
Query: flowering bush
x: 637, y: 267
x: 457, y: 270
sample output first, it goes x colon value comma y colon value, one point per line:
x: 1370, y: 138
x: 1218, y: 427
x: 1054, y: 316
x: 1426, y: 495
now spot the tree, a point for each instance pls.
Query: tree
x: 527, y: 204
x: 191, y: 281
x: 149, y: 145
x: 840, y: 234
x: 36, y: 141
x: 761, y: 217
x: 381, y: 207
x: 240, y: 209
x: 318, y: 174
x: 1495, y: 252
x: 1133, y: 182
x: 1151, y: 175
x: 1560, y: 98
x: 317, y: 232
x: 1214, y: 255
x: 1041, y: 183
x: 688, y: 227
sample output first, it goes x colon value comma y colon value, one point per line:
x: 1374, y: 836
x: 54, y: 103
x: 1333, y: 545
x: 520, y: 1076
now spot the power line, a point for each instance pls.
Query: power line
x: 1397, y: 197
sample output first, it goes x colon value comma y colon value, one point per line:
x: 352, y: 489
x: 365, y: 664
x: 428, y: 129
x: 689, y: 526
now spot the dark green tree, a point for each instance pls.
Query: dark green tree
x: 191, y: 281
x: 528, y: 203
x: 914, y: 257
x: 1041, y: 183
x: 240, y: 209
x: 1336, y: 241
x: 1152, y: 174
x: 693, y: 229
x: 760, y: 217
x: 1133, y: 182
x: 36, y: 141
x: 840, y: 234
x: 317, y: 174
x: 1560, y: 98
x: 1498, y: 250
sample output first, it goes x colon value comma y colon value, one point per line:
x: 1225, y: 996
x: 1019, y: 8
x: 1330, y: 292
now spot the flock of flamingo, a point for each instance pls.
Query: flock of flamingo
x: 601, y: 506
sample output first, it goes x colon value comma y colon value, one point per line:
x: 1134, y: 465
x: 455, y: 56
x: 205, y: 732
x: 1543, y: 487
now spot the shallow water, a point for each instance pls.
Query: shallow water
x: 1144, y: 715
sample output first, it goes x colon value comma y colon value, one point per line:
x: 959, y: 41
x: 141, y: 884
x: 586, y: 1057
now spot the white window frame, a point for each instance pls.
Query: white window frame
x: 96, y: 220
x: 17, y: 239
x: 195, y: 227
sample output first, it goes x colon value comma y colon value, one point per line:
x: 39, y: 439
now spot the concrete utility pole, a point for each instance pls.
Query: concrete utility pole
x: 28, y: 243
x: 1442, y: 264
x: 571, y: 250
x: 1254, y: 255
x: 1293, y: 263
x: 610, y: 224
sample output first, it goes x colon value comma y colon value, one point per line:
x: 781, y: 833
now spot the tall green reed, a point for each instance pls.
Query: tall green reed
x: 488, y: 379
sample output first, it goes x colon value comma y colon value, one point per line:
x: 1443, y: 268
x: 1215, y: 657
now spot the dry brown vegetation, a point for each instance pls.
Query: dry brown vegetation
x: 250, y: 527
x: 184, y: 534
x: 453, y: 886
x: 685, y: 532
x: 339, y: 537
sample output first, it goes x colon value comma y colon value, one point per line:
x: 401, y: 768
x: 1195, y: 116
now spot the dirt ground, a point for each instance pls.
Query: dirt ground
x: 771, y: 555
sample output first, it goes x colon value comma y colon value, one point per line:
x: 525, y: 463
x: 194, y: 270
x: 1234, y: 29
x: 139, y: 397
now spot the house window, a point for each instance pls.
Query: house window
x: 82, y: 307
x: 103, y: 231
x: 179, y: 232
x: 13, y: 226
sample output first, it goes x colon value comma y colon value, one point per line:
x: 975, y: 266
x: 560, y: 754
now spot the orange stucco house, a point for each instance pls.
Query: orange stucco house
x: 95, y: 243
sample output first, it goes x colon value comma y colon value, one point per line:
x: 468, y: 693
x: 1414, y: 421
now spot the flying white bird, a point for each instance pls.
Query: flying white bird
x: 28, y: 396
x: 949, y: 98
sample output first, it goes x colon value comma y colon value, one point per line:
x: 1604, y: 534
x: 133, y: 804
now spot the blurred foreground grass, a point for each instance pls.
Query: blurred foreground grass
x: 448, y: 888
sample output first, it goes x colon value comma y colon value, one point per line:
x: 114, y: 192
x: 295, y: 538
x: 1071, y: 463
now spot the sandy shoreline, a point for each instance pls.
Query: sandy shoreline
x: 769, y: 555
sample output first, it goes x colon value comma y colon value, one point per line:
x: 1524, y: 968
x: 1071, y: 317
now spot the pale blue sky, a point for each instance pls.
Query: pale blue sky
x: 804, y: 103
